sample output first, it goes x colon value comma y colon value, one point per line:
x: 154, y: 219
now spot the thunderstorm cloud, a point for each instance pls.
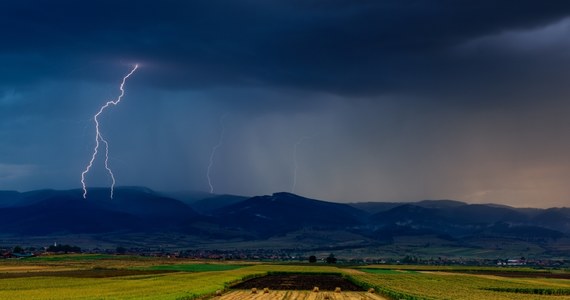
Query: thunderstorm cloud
x: 403, y: 100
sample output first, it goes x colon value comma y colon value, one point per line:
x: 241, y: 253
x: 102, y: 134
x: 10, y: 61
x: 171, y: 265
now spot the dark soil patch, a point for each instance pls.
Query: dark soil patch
x: 298, y: 282
x: 93, y: 273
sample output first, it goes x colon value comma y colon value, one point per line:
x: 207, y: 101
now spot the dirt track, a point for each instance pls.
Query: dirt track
x: 299, y: 287
x: 298, y: 295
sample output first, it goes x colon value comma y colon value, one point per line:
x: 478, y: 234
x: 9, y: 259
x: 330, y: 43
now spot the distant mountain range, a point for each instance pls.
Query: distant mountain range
x: 219, y: 217
x: 59, y: 212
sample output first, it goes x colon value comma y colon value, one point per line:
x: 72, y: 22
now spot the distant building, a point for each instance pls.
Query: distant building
x: 512, y: 262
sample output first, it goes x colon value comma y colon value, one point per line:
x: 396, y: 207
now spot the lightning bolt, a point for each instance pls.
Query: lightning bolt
x: 99, y: 138
x: 213, y: 153
x: 295, y: 164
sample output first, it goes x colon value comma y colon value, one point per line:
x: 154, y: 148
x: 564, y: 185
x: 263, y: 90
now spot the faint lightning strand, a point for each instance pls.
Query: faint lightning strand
x: 99, y: 138
x: 213, y: 153
x: 295, y: 164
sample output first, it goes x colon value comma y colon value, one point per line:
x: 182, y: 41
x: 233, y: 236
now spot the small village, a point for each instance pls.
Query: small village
x: 273, y: 255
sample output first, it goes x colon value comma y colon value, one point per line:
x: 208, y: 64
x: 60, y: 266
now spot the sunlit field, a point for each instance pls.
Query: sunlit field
x: 125, y: 277
x: 301, y: 295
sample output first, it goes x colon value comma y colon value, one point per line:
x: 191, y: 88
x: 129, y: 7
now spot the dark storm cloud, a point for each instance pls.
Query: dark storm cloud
x: 338, y: 46
x: 404, y: 100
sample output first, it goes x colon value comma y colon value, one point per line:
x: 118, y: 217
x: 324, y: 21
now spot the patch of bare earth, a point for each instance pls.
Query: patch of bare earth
x: 304, y: 282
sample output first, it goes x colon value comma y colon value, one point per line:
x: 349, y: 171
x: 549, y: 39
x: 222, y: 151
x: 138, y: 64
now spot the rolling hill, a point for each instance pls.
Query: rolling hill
x: 284, y: 212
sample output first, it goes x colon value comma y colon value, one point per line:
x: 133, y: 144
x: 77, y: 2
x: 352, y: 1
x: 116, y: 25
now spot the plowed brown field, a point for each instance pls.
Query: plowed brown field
x: 299, y: 282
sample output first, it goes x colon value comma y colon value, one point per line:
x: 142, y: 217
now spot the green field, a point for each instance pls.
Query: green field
x: 463, y: 286
x: 196, y: 267
x: 125, y: 277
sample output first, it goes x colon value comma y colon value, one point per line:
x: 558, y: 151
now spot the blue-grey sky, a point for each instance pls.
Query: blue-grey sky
x: 402, y: 100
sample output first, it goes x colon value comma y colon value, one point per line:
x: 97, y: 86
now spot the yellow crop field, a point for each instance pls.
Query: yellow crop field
x: 179, y: 285
x: 22, y: 268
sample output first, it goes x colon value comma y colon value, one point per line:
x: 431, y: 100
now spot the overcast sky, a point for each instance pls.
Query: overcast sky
x: 393, y: 100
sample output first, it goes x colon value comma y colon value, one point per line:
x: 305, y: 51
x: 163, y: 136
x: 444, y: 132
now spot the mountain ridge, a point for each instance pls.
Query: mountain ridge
x: 278, y: 217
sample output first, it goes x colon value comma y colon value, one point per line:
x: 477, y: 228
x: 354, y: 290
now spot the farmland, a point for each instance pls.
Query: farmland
x: 300, y: 295
x: 126, y: 277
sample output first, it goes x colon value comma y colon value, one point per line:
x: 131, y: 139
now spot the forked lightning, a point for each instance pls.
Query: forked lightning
x: 213, y: 153
x: 99, y: 138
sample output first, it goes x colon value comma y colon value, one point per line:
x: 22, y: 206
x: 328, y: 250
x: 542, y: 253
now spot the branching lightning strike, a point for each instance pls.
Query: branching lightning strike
x: 213, y: 153
x: 295, y: 164
x: 99, y: 138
